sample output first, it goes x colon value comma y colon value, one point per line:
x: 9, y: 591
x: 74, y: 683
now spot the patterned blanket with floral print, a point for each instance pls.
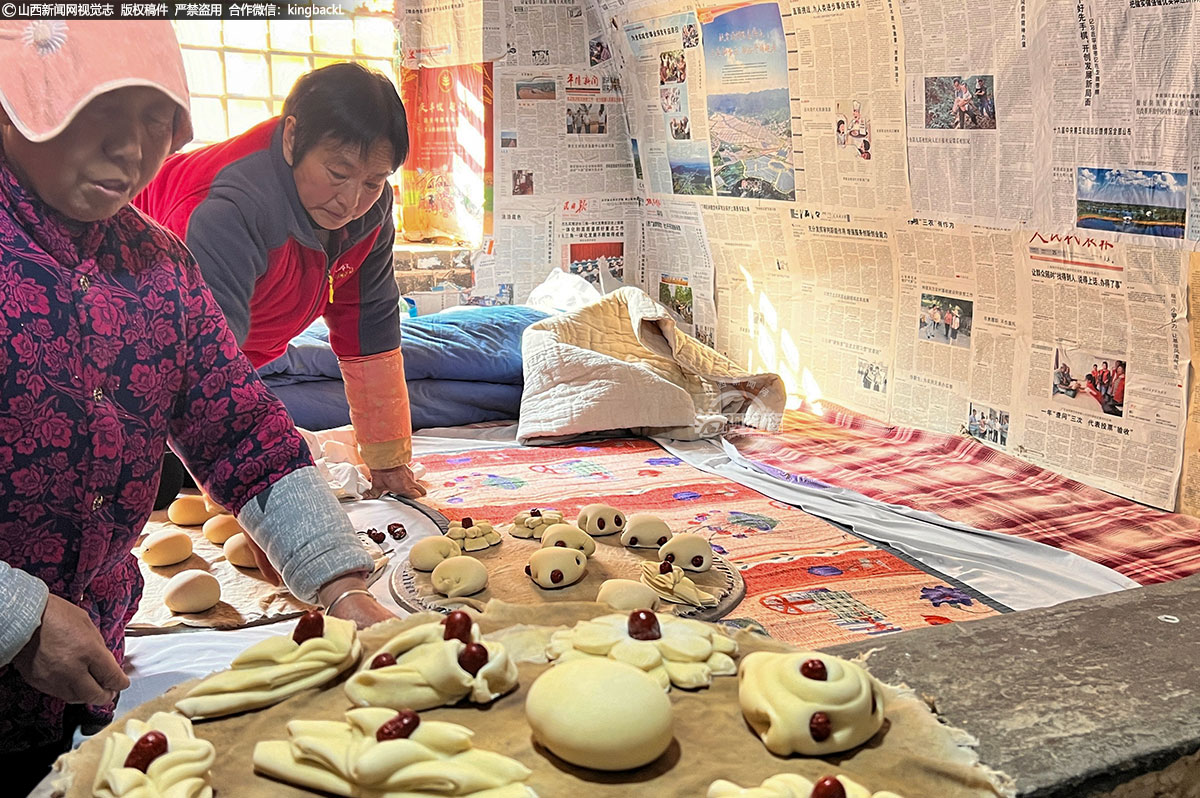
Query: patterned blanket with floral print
x: 807, y: 582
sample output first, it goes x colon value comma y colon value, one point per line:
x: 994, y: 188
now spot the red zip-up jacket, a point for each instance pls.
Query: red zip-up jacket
x: 236, y: 206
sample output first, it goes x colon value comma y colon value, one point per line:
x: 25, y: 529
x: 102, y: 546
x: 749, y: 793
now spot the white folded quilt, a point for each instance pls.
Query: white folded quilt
x: 621, y: 364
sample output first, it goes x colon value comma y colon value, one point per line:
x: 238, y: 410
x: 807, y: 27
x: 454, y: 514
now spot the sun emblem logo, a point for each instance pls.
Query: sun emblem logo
x: 45, y: 36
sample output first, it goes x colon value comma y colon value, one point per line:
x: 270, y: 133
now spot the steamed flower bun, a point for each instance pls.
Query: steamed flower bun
x: 808, y: 703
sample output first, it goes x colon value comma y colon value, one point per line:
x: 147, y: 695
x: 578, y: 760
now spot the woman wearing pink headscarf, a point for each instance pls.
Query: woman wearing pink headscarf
x: 111, y: 345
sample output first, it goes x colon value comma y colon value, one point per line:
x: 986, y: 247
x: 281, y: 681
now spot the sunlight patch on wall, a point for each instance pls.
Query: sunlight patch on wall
x: 789, y: 362
x: 471, y: 141
x: 770, y: 317
x: 749, y: 279
x: 811, y: 393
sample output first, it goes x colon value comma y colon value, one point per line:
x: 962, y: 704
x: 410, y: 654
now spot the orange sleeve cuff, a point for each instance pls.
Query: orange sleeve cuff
x: 379, y: 410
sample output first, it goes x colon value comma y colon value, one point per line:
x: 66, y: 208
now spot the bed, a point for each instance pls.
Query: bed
x: 842, y: 528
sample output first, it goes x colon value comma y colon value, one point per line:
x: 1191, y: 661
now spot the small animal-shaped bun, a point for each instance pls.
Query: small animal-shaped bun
x: 645, y: 531
x: 600, y: 519
x: 569, y: 536
x: 556, y: 567
x: 689, y: 552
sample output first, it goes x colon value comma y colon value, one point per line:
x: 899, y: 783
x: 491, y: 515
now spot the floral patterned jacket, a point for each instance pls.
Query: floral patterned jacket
x: 110, y: 343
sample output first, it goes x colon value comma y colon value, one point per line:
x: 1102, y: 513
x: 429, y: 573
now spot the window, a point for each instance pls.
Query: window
x: 240, y: 71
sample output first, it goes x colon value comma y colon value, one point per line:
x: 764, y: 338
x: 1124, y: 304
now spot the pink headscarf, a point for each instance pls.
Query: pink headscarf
x: 52, y: 69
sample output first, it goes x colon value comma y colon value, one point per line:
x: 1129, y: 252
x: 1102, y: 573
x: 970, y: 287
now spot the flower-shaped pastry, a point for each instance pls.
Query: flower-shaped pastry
x: 808, y: 703
x: 472, y: 535
x: 669, y: 582
x: 673, y: 650
x: 790, y: 785
x: 378, y: 752
x: 433, y: 665
x: 159, y: 757
x: 271, y: 670
x: 533, y: 523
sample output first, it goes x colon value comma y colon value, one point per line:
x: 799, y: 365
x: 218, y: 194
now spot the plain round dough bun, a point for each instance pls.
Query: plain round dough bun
x: 167, y: 547
x: 192, y: 591
x: 426, y: 553
x: 626, y: 594
x: 459, y: 576
x: 238, y: 552
x: 189, y: 511
x: 600, y: 713
x: 221, y: 528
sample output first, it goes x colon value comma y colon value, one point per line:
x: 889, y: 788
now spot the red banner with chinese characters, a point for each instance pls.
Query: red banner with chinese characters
x: 444, y: 177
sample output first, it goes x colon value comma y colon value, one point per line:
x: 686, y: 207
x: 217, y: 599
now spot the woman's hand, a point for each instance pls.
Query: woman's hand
x: 400, y: 481
x: 264, y: 565
x: 66, y: 658
x: 364, y: 610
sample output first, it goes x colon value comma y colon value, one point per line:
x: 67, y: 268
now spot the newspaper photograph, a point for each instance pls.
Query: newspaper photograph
x: 748, y: 107
x: 560, y: 131
x: 849, y: 81
x: 1124, y: 99
x: 437, y: 33
x: 971, y: 130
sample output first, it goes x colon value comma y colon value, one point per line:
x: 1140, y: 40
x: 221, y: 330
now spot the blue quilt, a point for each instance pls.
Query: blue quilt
x: 462, y: 366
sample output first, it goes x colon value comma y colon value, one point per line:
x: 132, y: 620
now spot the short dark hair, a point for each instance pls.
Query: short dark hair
x: 349, y: 104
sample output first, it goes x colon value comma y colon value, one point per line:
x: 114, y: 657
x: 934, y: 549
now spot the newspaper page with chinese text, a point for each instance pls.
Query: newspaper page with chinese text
x: 1122, y: 99
x: 849, y: 82
x: 970, y: 109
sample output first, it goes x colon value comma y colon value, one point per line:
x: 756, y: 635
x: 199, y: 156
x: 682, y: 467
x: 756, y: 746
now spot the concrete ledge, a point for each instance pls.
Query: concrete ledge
x: 1072, y: 701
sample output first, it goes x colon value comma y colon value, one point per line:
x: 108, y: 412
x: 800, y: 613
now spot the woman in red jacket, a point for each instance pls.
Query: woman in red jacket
x: 291, y: 221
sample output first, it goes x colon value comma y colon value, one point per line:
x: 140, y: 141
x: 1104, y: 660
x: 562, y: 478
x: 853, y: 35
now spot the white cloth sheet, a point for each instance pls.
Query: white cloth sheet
x: 1019, y: 573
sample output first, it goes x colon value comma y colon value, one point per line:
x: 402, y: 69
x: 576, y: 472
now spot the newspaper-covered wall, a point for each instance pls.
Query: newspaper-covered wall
x: 973, y: 218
